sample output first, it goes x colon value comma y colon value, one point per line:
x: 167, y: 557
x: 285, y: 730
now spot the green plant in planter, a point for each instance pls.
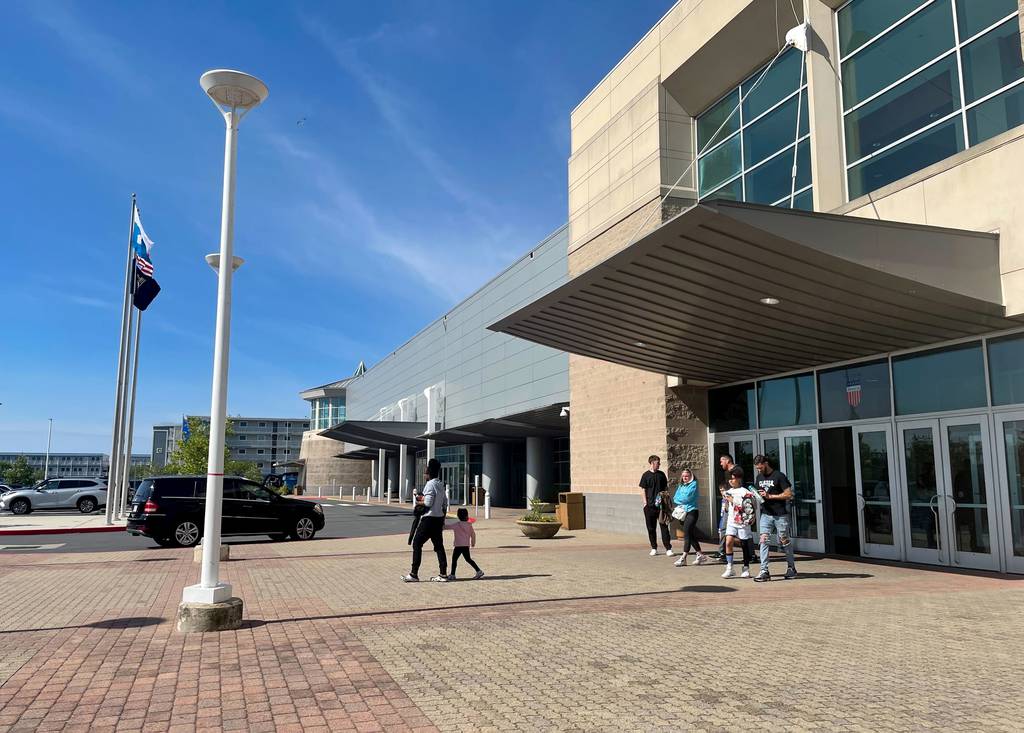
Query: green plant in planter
x: 535, y: 515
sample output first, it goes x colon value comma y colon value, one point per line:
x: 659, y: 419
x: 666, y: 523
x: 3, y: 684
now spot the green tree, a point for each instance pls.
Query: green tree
x: 20, y: 473
x: 192, y: 455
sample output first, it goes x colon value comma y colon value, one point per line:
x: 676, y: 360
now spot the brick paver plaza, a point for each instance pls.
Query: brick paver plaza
x: 580, y: 633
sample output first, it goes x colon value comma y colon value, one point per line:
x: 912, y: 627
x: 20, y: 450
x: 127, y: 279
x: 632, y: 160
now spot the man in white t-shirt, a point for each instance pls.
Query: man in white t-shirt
x: 741, y: 515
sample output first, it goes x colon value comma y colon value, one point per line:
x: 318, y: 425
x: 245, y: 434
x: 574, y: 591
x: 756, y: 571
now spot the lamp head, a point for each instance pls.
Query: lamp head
x: 213, y: 260
x: 233, y: 89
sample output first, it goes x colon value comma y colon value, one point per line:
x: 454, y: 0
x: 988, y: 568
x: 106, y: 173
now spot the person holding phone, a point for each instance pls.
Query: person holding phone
x: 776, y: 491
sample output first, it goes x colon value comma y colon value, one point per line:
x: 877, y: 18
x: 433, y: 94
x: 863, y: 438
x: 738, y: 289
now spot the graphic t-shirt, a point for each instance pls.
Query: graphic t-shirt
x: 775, y: 482
x: 653, y: 483
x: 741, y: 507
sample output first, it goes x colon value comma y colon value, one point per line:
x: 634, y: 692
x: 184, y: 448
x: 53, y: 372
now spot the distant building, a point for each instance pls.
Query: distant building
x: 260, y: 440
x: 65, y: 465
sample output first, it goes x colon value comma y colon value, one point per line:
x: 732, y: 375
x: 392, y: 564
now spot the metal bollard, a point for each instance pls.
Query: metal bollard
x: 389, y: 491
x: 353, y: 493
x: 487, y: 504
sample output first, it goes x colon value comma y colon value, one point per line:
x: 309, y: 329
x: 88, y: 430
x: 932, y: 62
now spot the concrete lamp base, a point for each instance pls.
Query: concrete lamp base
x: 197, y: 552
x: 202, y: 617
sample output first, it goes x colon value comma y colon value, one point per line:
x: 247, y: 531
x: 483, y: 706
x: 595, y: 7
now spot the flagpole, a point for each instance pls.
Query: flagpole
x: 122, y: 359
x: 126, y: 469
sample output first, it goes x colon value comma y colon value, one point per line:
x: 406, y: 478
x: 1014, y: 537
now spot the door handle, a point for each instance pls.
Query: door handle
x: 935, y: 513
x: 952, y: 546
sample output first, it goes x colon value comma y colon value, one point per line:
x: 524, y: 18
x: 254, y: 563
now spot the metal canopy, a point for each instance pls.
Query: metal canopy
x: 379, y: 434
x: 545, y: 422
x: 685, y: 300
x: 358, y: 453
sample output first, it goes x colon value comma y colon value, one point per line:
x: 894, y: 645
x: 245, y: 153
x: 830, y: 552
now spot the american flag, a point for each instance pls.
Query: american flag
x: 144, y: 266
x: 853, y: 394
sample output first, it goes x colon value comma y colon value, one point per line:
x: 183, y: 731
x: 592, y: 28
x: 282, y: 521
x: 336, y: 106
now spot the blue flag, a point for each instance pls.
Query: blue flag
x: 144, y: 286
x: 185, y: 432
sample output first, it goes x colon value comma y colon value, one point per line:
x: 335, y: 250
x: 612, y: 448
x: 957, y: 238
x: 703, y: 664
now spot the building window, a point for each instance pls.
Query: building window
x: 241, y: 437
x: 922, y: 81
x: 263, y: 425
x: 786, y: 401
x: 259, y: 452
x: 241, y: 451
x: 732, y: 408
x: 939, y: 380
x: 854, y: 392
x: 751, y: 158
x: 1006, y: 369
x: 243, y: 424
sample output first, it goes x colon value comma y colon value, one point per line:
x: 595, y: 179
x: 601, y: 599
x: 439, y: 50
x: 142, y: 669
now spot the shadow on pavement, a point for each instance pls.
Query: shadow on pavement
x: 515, y: 577
x: 130, y: 622
x: 707, y: 589
x: 832, y: 576
x: 513, y: 547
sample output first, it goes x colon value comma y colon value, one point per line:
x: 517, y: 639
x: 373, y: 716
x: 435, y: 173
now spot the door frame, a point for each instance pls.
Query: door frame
x: 1004, y: 510
x: 805, y: 544
x: 873, y: 549
x: 990, y: 561
x: 939, y: 555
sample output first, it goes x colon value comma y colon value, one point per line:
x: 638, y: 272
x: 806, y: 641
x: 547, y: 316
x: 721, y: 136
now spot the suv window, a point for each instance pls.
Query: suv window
x: 74, y: 484
x: 180, y: 488
x: 252, y: 491
x: 144, y: 492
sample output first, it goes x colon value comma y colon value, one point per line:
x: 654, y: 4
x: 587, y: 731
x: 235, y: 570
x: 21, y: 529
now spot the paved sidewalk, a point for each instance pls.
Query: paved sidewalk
x: 579, y: 633
x: 55, y: 522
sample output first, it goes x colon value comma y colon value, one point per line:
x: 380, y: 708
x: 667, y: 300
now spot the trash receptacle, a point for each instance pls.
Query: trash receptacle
x: 571, y: 510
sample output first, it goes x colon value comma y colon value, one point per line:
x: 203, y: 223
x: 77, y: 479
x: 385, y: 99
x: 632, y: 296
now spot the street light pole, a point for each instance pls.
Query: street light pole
x: 209, y: 606
x: 49, y: 436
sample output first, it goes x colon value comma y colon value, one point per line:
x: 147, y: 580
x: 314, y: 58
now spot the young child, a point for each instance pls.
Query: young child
x: 741, y: 515
x: 465, y: 537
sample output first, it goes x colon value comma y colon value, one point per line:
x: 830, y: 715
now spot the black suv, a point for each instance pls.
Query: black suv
x: 170, y: 510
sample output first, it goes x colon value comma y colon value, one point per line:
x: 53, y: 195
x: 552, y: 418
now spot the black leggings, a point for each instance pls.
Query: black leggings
x: 464, y: 552
x: 691, y: 532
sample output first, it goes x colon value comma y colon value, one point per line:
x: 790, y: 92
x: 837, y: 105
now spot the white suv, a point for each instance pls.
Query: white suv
x: 84, y: 494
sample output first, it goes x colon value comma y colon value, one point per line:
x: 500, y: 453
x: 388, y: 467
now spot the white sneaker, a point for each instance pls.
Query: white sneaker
x: 681, y: 562
x: 410, y: 579
x: 669, y: 553
x: 728, y: 572
x: 479, y: 574
x: 439, y: 579
x: 652, y: 553
x: 745, y: 573
x: 701, y: 560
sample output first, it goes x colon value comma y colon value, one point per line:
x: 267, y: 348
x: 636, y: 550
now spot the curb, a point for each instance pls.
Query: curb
x: 63, y: 530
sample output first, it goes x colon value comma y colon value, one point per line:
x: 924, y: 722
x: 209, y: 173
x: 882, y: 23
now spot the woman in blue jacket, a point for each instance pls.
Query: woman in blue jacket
x: 687, y: 496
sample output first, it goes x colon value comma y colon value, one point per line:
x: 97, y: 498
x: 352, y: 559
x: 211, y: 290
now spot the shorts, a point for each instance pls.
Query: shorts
x: 743, y: 532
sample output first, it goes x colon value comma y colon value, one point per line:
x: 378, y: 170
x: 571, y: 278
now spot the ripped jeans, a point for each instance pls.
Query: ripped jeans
x: 780, y: 525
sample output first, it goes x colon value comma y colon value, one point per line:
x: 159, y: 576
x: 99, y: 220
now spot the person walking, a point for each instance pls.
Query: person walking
x: 652, y: 483
x: 725, y: 462
x: 741, y: 516
x: 776, y: 491
x: 465, y: 537
x: 431, y: 526
x: 687, y: 500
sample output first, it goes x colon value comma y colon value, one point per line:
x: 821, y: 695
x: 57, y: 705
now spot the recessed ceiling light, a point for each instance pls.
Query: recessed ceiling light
x: 770, y: 301
x: 641, y: 344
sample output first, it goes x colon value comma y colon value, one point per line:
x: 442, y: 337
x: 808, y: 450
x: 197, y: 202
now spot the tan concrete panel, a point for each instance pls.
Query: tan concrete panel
x: 1013, y: 295
x: 578, y: 198
x: 702, y: 21
x: 588, y: 126
x: 619, y: 130
x: 620, y: 165
x: 597, y: 183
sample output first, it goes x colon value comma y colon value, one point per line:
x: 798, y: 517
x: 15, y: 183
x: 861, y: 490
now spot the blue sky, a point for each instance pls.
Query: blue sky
x: 431, y: 153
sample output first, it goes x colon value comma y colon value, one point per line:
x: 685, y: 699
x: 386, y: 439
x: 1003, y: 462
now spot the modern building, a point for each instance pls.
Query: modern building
x: 812, y: 250
x: 491, y: 404
x: 264, y: 441
x: 66, y: 465
x: 818, y: 256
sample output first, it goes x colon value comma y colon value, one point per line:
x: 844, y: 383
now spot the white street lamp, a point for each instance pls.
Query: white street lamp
x: 210, y: 606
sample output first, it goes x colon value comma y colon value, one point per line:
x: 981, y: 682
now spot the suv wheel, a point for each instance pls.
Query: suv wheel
x: 304, y: 529
x: 21, y: 506
x: 186, y: 533
x: 86, y: 505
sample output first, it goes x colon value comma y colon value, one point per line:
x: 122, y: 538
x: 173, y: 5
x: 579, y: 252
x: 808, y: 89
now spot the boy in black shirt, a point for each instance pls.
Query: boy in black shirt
x: 653, y: 482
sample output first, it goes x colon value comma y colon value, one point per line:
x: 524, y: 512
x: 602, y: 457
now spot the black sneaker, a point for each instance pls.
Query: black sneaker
x: 790, y: 573
x: 763, y: 577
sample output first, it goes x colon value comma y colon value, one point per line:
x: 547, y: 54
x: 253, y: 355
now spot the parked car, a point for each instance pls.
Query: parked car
x: 170, y: 510
x: 4, y: 488
x: 85, y: 494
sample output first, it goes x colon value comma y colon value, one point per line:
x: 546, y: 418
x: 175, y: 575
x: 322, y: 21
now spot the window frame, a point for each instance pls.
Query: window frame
x: 958, y: 50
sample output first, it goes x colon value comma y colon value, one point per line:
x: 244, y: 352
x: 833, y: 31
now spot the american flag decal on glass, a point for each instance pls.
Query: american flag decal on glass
x: 853, y: 394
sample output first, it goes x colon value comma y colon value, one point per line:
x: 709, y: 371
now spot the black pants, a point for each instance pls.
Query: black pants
x: 430, y: 528
x: 464, y: 552
x: 651, y: 514
x: 691, y: 531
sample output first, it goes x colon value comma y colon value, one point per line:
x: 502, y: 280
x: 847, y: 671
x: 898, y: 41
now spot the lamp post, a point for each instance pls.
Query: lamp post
x: 209, y: 606
x: 49, y: 437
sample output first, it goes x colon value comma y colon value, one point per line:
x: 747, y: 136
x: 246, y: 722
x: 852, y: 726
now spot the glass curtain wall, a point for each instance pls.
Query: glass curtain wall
x: 751, y: 157
x: 922, y: 81
x: 326, y: 412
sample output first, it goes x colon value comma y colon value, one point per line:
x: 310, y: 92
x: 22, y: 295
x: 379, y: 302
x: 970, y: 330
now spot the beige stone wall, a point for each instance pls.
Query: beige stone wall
x: 686, y: 417
x: 977, y: 189
x: 322, y: 468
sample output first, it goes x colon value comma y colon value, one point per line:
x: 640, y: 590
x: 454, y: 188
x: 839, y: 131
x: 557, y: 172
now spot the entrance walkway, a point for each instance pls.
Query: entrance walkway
x: 581, y: 633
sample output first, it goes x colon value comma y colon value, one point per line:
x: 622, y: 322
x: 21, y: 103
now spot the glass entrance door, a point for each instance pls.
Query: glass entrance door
x: 947, y: 476
x: 873, y: 468
x: 1010, y: 449
x: 800, y: 462
x: 450, y: 477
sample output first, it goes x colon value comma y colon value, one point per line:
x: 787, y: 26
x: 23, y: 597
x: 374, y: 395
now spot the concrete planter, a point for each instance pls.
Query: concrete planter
x: 539, y: 530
